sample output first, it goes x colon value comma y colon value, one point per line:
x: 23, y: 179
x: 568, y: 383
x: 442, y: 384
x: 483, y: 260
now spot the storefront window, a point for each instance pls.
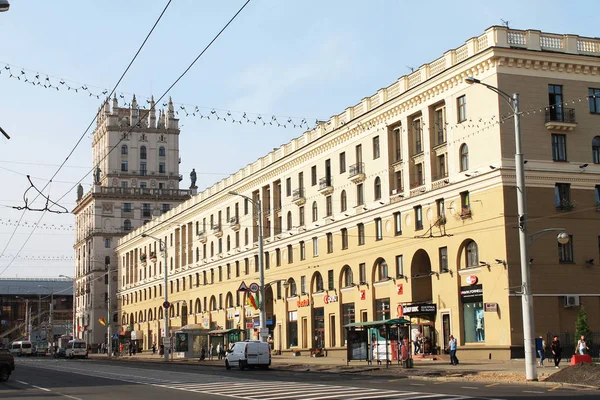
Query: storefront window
x: 349, y: 318
x: 319, y: 327
x: 293, y: 329
x: 474, y: 322
x: 382, y: 309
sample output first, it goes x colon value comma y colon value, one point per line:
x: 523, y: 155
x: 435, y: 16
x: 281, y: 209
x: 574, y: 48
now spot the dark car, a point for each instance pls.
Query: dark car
x: 60, y: 353
x: 7, y: 364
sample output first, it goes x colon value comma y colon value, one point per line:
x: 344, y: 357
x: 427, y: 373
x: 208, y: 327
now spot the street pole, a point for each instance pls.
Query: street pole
x: 261, y: 271
x: 108, y: 319
x: 165, y: 304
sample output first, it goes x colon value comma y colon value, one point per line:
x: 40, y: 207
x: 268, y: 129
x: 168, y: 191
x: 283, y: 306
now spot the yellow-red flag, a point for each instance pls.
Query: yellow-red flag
x: 102, y: 321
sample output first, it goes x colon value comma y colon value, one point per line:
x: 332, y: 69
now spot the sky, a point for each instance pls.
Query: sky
x: 294, y: 59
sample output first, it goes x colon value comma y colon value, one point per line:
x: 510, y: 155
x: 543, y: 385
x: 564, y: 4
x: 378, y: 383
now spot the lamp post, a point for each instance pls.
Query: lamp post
x: 72, y: 301
x: 261, y: 270
x: 526, y: 297
x: 50, y: 318
x: 166, y: 296
x: 27, y: 317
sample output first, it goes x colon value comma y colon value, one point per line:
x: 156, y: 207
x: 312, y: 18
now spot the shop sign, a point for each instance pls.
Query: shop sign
x: 399, y: 289
x: 469, y: 292
x: 237, y: 316
x: 330, y: 299
x: 363, y: 294
x: 249, y: 325
x: 303, y: 303
x: 490, y: 307
x: 471, y: 279
x: 413, y: 309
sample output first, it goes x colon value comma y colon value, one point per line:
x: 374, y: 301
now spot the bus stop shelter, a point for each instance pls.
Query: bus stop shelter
x: 381, y: 341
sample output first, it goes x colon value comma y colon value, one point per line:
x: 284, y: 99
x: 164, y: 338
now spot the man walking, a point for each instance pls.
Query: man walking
x: 556, y: 351
x: 452, y: 348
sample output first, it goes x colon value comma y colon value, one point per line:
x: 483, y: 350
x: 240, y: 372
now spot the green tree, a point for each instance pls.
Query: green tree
x: 582, y: 327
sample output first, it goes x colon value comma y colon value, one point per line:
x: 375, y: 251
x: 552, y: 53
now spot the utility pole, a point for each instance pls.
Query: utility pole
x: 108, y: 319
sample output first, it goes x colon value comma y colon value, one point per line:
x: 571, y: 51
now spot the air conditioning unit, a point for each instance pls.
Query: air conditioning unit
x: 571, y: 301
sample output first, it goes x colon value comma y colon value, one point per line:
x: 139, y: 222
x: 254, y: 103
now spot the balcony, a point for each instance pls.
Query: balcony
x: 202, y: 236
x: 439, y: 181
x: 132, y: 191
x: 326, y: 186
x: 298, y: 196
x: 396, y: 195
x: 417, y: 187
x: 234, y: 223
x: 560, y: 119
x: 356, y: 172
x: 217, y: 230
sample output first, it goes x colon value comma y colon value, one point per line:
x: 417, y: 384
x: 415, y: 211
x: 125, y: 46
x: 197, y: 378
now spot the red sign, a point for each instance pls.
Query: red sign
x: 363, y: 294
x: 471, y: 279
x: 330, y: 299
x: 399, y: 289
x: 303, y: 303
x: 249, y: 325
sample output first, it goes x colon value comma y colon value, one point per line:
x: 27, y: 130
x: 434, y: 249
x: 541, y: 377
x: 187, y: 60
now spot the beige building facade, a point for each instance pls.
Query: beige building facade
x: 137, y: 178
x: 403, y: 204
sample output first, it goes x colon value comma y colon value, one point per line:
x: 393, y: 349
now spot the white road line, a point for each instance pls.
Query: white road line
x: 22, y: 383
x: 364, y: 394
x: 533, y: 391
x: 417, y: 384
x: 41, y: 388
x: 469, y: 387
x: 70, y: 397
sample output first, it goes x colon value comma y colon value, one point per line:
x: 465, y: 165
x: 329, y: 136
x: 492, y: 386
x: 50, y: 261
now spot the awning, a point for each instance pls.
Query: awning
x: 388, y: 322
x: 224, y: 331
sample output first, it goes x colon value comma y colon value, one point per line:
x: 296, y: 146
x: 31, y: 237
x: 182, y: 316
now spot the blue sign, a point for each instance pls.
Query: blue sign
x: 115, y: 336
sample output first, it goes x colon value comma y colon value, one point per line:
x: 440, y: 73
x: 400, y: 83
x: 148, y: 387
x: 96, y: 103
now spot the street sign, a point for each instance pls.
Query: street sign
x: 264, y: 332
x: 243, y: 287
x: 115, y: 336
x: 166, y: 304
x: 249, y: 325
x: 254, y: 287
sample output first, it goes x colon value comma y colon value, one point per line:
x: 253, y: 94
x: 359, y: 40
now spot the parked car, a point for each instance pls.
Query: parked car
x: 7, y: 364
x: 21, y: 348
x: 60, y: 353
x: 248, y: 354
x: 76, y: 348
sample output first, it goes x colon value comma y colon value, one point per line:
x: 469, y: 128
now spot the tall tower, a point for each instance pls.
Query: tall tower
x: 136, y: 177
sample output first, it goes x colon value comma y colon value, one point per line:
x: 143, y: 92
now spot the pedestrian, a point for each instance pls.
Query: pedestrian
x: 540, y: 345
x: 211, y: 350
x: 219, y: 350
x: 417, y: 343
x: 452, y: 348
x: 153, y: 348
x: 103, y: 348
x: 556, y: 351
x: 130, y: 348
x: 582, y: 347
x: 202, y: 354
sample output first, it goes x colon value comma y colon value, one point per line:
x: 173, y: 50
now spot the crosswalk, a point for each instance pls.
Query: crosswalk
x: 241, y: 388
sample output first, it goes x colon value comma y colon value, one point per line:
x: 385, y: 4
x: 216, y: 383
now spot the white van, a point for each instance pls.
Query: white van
x: 251, y: 353
x: 21, y: 348
x: 76, y: 348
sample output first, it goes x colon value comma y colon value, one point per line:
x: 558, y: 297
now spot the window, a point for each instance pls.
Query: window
x: 442, y: 166
x: 397, y: 223
x: 124, y: 166
x: 418, y: 218
x: 464, y: 157
x: 362, y: 273
x: 361, y: 234
x: 107, y: 240
x: 127, y: 225
x: 562, y: 197
x: 594, y: 100
x: 397, y: 140
x: 161, y: 151
x: 555, y: 101
x: 559, y: 147
x: 347, y: 276
x: 398, y: 181
x: 377, y: 188
x: 440, y: 125
x: 596, y: 150
x: 143, y: 153
x: 288, y: 187
x: 267, y: 260
x: 124, y: 149
x: 344, y: 233
x: 146, y: 210
x: 124, y: 184
x: 315, y: 245
x: 399, y: 266
x: 277, y: 257
x: 303, y: 284
x: 290, y: 253
x: 143, y: 170
x: 471, y: 255
x: 313, y: 175
x: 319, y: 287
x: 343, y: 201
x: 418, y: 133
x: 162, y: 168
x: 330, y: 242
x: 315, y: 211
x: 378, y: 229
x: 342, y: 162
x: 462, y: 108
x: 301, y: 215
x: 376, y: 152
x: 127, y: 207
x: 289, y: 220
x: 443, y: 253
x: 143, y: 185
x: 360, y: 198
x: 328, y: 206
x: 420, y: 178
x: 382, y: 270
x: 302, y: 250
x: 465, y: 201
x: 597, y: 193
x: 565, y: 251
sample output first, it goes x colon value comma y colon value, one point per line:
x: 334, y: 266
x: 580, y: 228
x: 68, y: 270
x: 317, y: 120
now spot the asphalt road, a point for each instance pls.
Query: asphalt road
x: 47, y: 378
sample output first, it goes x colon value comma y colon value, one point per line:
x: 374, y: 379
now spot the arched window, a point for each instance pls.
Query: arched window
x: 347, y: 277
x: 293, y: 289
x: 289, y: 220
x: 382, y: 269
x: 377, y: 188
x: 344, y: 201
x: 143, y: 153
x: 197, y: 306
x: 161, y: 151
x: 315, y: 211
x: 319, y: 282
x: 124, y: 149
x: 160, y: 313
x: 464, y: 157
x: 229, y: 300
x: 472, y: 255
x: 127, y: 225
x: 596, y: 149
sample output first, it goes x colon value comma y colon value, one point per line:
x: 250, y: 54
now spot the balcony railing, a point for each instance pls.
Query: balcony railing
x: 325, y: 182
x: 560, y: 114
x: 114, y: 190
x: 216, y: 228
x: 356, y: 169
x: 298, y: 194
x: 417, y: 183
x: 233, y: 221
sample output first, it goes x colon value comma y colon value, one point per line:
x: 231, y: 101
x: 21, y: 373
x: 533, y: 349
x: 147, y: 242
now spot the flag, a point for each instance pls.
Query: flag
x: 251, y: 300
x: 102, y: 321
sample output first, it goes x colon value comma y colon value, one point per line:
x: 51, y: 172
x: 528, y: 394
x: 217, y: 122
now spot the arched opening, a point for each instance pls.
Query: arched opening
x: 315, y: 211
x: 464, y: 157
x: 377, y: 188
x: 317, y: 285
x: 347, y: 279
x: 143, y: 153
x: 150, y: 315
x: 161, y: 151
x: 161, y: 314
x: 292, y: 290
x: 198, y: 306
x: 343, y: 201
x: 468, y: 254
x: 124, y: 149
x: 229, y: 300
x: 420, y: 280
x: 213, y: 303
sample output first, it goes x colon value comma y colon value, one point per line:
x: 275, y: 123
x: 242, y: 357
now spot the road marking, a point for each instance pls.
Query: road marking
x: 492, y: 384
x: 554, y: 388
x: 469, y: 387
x: 70, y: 397
x: 417, y: 384
x: 533, y: 391
x: 22, y: 383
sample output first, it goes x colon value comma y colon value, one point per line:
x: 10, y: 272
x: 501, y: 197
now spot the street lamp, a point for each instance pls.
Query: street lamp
x: 50, y: 319
x: 166, y: 296
x: 526, y: 297
x: 27, y: 318
x: 261, y: 269
x: 72, y: 301
x: 4, y: 5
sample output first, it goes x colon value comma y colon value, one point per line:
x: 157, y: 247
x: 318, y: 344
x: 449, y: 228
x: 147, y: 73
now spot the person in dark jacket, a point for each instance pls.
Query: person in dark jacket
x: 556, y: 349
